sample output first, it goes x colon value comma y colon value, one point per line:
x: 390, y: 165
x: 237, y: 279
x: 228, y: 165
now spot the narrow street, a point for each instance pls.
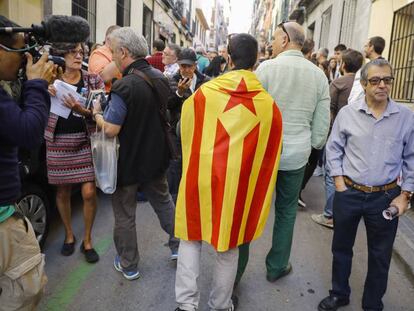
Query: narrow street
x: 76, y: 285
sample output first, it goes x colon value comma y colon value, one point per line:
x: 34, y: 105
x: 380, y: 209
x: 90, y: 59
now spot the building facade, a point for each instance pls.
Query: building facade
x: 219, y: 24
x: 184, y: 22
x: 267, y: 15
x: 330, y: 22
x: 394, y: 21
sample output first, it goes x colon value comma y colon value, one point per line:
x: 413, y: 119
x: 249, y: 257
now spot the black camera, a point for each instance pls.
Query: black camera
x: 55, y: 28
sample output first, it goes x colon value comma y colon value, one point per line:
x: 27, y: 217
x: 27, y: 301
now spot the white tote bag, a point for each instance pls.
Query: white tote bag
x: 105, y: 160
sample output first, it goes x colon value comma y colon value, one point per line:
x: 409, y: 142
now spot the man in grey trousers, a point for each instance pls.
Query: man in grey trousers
x: 133, y: 114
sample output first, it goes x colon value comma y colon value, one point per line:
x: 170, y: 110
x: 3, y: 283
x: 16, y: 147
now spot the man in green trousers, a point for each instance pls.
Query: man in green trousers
x: 301, y: 92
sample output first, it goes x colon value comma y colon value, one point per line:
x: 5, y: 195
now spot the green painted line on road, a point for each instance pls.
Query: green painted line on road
x: 67, y: 290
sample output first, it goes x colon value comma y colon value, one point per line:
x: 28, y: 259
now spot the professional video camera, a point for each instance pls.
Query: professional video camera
x: 54, y: 29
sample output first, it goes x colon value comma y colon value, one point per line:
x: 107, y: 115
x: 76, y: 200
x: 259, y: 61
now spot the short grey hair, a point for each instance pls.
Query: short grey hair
x: 379, y: 62
x: 324, y: 52
x: 127, y: 38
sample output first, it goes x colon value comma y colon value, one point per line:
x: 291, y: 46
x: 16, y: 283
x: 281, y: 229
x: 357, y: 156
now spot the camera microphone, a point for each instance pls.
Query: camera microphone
x: 56, y: 28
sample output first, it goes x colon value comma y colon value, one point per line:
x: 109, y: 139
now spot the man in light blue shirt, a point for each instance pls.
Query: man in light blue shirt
x: 301, y: 91
x: 371, y: 143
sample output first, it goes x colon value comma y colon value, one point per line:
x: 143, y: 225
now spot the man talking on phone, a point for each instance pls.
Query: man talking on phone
x: 183, y: 84
x: 22, y: 276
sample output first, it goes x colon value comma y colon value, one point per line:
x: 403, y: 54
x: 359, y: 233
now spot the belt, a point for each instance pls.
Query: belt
x: 369, y: 189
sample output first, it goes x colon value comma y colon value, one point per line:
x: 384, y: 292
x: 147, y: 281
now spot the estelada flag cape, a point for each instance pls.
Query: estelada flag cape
x: 231, y: 134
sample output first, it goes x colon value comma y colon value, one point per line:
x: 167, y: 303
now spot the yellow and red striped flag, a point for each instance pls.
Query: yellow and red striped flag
x: 231, y: 134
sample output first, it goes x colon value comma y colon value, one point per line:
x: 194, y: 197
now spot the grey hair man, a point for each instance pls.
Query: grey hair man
x: 135, y: 114
x: 169, y: 59
x: 222, y: 51
x: 322, y: 55
x: 365, y: 158
x: 301, y: 92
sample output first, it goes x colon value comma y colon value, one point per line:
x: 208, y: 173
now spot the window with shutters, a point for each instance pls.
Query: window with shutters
x: 401, y: 54
x: 347, y: 22
x: 87, y: 10
x: 325, y: 26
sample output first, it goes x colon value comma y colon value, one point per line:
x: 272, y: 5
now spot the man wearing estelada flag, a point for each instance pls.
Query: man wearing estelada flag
x: 231, y: 135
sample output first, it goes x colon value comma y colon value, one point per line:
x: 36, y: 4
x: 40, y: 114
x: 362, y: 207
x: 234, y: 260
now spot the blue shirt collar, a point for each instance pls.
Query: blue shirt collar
x: 392, y: 107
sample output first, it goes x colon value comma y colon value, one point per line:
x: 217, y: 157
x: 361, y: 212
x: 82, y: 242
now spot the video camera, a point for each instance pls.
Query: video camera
x: 54, y: 29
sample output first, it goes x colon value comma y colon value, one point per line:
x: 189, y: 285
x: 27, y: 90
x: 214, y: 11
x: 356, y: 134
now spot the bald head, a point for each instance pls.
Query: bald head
x: 288, y: 36
x: 296, y: 33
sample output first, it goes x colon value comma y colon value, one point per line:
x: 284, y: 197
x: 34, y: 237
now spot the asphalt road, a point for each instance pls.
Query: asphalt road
x: 76, y: 285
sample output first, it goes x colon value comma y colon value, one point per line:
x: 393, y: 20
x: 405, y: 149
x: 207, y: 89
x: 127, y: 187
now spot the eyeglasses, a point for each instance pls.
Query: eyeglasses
x: 282, y: 25
x: 76, y: 52
x: 377, y: 80
x: 27, y: 48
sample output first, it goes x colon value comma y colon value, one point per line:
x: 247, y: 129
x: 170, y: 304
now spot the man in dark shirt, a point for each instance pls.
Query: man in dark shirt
x: 183, y: 84
x: 20, y: 126
x: 339, y: 90
x: 133, y: 114
x: 155, y: 60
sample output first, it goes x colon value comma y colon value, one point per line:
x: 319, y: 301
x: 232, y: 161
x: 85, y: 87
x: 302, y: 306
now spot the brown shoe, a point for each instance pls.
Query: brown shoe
x: 320, y: 219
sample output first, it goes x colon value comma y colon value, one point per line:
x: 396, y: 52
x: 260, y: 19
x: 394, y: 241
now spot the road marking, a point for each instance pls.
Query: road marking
x: 68, y: 288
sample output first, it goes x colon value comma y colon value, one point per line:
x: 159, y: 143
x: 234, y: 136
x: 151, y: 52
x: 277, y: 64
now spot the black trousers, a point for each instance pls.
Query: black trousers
x: 348, y: 209
x: 313, y: 161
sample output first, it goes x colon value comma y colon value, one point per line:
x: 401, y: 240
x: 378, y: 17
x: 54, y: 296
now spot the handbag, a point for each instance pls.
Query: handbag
x: 167, y: 128
x: 105, y: 160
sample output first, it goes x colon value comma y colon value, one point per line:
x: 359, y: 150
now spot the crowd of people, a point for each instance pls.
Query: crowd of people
x: 208, y: 138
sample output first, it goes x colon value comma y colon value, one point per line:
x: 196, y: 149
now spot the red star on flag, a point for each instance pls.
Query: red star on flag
x: 241, y: 96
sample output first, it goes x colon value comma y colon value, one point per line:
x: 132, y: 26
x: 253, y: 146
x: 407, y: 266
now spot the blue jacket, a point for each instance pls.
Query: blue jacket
x: 20, y: 126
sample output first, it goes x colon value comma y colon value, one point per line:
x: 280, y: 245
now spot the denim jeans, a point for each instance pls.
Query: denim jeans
x: 330, y: 192
x: 349, y: 207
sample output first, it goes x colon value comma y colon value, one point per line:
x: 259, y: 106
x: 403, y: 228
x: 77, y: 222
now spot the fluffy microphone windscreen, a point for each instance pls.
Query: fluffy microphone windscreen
x: 62, y: 28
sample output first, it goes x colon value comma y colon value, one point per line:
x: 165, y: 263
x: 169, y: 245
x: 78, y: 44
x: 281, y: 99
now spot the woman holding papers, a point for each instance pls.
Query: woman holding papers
x: 68, y: 149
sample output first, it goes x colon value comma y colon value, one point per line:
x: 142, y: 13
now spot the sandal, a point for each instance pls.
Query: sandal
x: 91, y: 255
x: 68, y: 248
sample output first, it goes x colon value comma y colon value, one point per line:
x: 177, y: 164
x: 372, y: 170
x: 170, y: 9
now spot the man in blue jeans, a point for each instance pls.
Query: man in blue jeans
x: 372, y: 141
x: 339, y: 91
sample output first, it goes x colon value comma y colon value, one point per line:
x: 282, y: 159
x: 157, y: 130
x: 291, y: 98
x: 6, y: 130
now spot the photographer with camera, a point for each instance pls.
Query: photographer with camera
x: 22, y: 276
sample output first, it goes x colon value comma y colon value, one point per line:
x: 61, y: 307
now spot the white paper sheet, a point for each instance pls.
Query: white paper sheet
x: 64, y: 89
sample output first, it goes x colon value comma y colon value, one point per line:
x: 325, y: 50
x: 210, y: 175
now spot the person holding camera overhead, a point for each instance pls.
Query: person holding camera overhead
x: 68, y: 149
x: 22, y: 275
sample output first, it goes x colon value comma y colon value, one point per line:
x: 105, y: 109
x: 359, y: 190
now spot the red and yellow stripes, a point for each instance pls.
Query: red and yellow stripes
x: 231, y: 139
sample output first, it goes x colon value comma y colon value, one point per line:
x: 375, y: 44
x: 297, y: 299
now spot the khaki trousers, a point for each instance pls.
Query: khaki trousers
x: 22, y: 276
x: 188, y: 270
